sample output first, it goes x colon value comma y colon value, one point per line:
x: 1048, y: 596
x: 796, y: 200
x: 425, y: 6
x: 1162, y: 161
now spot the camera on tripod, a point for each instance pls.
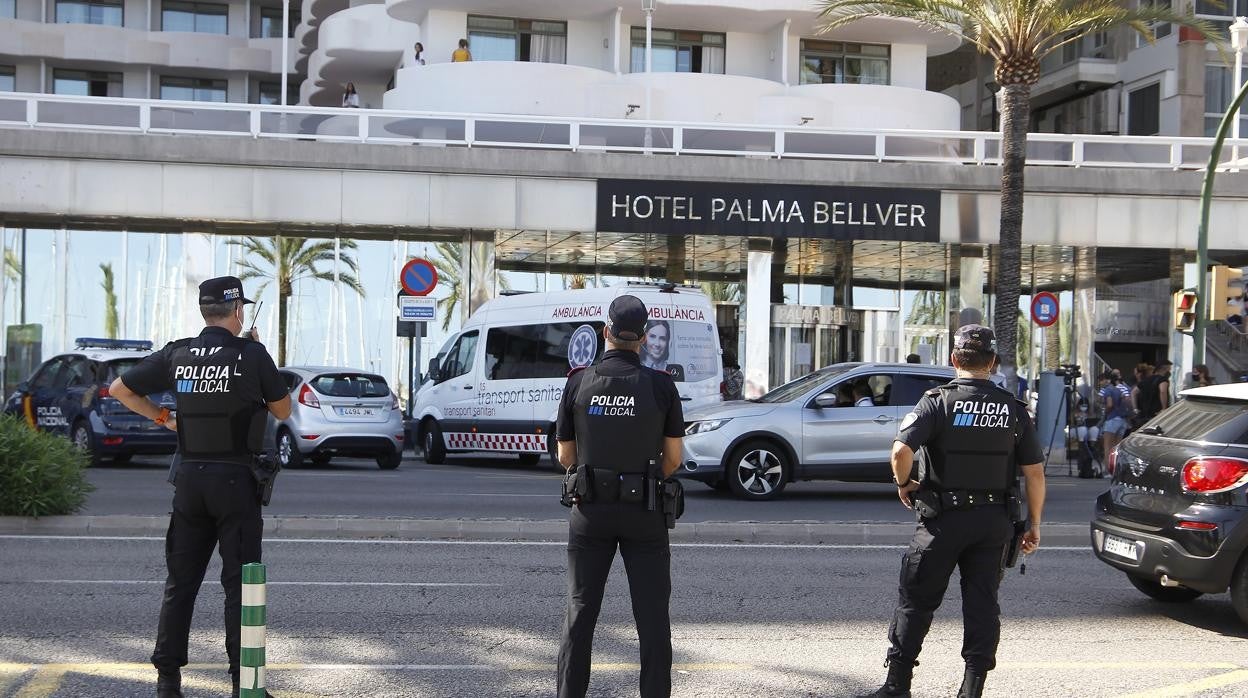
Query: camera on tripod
x: 1069, y: 373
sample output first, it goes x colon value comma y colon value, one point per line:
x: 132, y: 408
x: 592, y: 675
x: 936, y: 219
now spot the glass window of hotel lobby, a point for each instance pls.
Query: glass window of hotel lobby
x: 676, y: 51
x: 841, y: 62
x: 528, y: 40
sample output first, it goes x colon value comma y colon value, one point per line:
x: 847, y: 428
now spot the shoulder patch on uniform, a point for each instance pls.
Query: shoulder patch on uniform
x: 909, y: 419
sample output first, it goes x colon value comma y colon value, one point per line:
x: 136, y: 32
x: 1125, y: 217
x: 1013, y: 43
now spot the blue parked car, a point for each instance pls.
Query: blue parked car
x: 68, y: 395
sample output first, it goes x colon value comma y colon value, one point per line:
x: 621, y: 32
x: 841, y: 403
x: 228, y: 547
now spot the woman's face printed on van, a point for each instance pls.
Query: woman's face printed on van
x: 656, y: 342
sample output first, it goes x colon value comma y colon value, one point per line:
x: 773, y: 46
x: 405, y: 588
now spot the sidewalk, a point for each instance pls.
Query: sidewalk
x: 785, y: 533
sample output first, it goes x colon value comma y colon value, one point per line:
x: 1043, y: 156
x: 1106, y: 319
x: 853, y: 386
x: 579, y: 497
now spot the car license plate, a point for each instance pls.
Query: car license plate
x: 357, y: 411
x: 1121, y: 547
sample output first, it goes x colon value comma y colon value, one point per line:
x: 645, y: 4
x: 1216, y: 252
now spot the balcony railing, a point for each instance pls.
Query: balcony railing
x: 62, y: 112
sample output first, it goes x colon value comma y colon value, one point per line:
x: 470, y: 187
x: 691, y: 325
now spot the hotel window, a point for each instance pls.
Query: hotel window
x: 8, y: 79
x: 270, y: 24
x: 1218, y: 95
x: 86, y: 83
x: 8, y: 8
x: 201, y: 17
x: 677, y: 51
x: 1160, y: 29
x: 1144, y: 111
x: 271, y: 93
x: 106, y: 12
x: 528, y: 40
x: 839, y: 62
x: 192, y: 89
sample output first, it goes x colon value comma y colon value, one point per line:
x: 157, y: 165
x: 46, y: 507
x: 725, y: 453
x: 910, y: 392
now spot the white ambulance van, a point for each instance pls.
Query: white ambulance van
x: 496, y: 385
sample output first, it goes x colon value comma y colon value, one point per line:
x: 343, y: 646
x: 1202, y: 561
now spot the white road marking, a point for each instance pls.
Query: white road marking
x: 531, y: 543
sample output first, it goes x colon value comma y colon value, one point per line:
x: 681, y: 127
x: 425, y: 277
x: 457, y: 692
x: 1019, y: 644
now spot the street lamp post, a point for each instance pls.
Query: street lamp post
x: 285, y: 45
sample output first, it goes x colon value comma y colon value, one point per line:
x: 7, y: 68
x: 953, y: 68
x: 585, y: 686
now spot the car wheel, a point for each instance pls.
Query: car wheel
x: 288, y: 450
x: 757, y: 471
x: 84, y: 441
x: 390, y: 461
x: 530, y: 459
x: 1239, y: 589
x: 1154, y: 589
x: 434, y: 445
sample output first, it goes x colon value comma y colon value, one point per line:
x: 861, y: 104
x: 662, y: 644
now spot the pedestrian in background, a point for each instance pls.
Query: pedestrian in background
x: 461, y: 54
x: 1199, y: 377
x: 973, y: 439
x: 223, y: 384
x: 913, y: 359
x: 734, y: 380
x: 350, y: 98
x: 1115, y: 410
x: 620, y: 425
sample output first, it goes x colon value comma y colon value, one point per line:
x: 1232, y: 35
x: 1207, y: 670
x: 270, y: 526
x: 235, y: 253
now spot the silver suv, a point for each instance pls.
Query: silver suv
x: 338, y: 412
x: 837, y: 423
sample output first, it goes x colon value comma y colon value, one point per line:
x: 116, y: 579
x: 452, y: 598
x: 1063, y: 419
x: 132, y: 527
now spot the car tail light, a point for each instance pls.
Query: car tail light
x: 1198, y: 526
x: 111, y: 440
x: 104, y: 391
x: 394, y: 401
x: 1112, y: 461
x: 307, y: 397
x: 1210, y: 475
x: 311, y: 437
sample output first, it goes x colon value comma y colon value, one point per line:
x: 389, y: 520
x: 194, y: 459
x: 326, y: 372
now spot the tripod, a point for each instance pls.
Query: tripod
x: 1086, y: 452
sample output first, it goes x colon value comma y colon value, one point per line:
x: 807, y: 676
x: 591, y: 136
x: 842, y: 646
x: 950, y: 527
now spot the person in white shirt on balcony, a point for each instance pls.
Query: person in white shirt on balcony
x: 351, y: 98
x: 418, y: 49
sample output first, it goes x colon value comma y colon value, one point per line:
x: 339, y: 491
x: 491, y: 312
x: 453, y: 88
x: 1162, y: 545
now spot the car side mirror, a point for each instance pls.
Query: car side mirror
x: 433, y: 369
x: 825, y: 400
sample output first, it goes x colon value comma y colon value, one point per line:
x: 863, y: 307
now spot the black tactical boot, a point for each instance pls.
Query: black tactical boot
x: 168, y: 683
x: 897, y: 685
x: 972, y: 683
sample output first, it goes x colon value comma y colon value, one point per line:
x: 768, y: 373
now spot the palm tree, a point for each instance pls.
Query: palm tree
x: 449, y: 261
x: 928, y: 311
x: 721, y: 291
x: 110, y: 301
x: 1017, y: 34
x: 12, y: 266
x: 287, y: 260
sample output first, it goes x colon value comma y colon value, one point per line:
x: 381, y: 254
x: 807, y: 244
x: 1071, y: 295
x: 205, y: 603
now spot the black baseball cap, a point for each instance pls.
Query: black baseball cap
x: 627, y: 318
x: 222, y: 289
x: 975, y: 338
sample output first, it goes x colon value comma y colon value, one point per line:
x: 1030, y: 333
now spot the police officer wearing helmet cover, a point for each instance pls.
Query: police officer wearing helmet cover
x: 222, y: 382
x: 620, y: 425
x: 974, y: 438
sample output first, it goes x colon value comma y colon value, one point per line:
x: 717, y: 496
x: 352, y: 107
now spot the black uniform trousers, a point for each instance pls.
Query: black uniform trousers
x: 213, y: 504
x: 594, y: 532
x: 973, y: 540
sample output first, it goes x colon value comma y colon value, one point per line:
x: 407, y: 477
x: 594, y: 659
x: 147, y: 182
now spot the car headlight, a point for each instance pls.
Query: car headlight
x: 705, y: 426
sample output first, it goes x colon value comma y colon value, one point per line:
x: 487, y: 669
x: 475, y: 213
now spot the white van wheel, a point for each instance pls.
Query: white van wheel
x: 433, y: 443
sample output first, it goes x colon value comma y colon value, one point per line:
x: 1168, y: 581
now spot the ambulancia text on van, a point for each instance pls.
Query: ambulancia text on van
x: 496, y: 385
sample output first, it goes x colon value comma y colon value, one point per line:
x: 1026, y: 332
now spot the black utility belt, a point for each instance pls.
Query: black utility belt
x: 584, y: 484
x: 932, y: 503
x: 215, y: 467
x: 608, y: 485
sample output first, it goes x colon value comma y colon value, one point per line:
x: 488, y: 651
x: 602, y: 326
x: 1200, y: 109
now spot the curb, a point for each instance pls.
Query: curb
x: 357, y: 528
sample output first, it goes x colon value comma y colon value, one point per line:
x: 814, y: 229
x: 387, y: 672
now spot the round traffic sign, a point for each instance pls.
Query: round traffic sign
x: 1044, y: 309
x: 418, y: 277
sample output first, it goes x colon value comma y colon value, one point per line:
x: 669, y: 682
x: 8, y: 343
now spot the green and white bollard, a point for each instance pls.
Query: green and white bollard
x: 254, y: 622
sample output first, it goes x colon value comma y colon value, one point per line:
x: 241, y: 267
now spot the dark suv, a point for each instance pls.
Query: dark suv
x: 68, y: 395
x: 1175, y: 518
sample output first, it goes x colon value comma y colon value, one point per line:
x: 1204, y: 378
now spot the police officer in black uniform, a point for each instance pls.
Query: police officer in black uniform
x: 222, y: 382
x: 621, y: 425
x: 974, y: 438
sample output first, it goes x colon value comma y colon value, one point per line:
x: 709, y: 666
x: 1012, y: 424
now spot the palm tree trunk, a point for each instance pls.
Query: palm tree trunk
x: 1015, y: 113
x: 283, y: 300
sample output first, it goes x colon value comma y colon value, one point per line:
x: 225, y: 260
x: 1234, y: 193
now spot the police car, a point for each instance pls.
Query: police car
x: 68, y: 395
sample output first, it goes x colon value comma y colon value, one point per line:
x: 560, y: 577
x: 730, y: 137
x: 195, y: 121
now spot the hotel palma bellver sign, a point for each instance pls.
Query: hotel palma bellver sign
x: 768, y: 210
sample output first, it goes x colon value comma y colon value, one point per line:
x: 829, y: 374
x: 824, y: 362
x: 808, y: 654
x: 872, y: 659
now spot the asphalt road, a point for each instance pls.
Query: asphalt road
x: 492, y: 487
x: 447, y: 619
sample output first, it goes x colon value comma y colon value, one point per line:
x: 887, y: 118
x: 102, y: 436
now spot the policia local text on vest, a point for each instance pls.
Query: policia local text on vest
x: 224, y: 386
x: 620, y: 425
x: 974, y: 439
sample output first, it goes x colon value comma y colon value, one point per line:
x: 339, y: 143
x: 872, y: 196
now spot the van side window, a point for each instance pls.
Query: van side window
x: 459, y: 358
x: 533, y: 351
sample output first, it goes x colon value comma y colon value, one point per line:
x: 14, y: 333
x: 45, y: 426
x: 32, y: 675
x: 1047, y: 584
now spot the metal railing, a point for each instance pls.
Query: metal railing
x: 147, y: 116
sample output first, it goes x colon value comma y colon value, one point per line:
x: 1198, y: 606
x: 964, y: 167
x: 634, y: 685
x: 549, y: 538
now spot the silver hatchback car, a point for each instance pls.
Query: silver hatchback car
x: 837, y: 423
x: 338, y: 412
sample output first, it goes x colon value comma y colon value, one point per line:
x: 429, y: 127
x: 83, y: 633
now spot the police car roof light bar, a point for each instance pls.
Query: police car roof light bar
x: 104, y: 343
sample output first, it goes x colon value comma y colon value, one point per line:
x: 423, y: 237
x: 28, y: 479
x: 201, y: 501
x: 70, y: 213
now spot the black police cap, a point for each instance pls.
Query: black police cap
x: 222, y: 289
x: 627, y: 318
x: 975, y: 338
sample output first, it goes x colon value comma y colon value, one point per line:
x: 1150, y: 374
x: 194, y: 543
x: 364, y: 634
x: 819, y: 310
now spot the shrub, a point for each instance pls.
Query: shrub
x: 40, y: 474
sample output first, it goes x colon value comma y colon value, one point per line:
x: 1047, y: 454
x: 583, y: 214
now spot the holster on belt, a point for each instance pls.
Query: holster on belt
x: 1014, y: 508
x: 577, y: 487
x: 927, y: 503
x: 671, y: 499
x: 264, y: 467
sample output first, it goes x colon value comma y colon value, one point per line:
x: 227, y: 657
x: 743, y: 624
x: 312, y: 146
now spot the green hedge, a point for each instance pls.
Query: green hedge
x: 40, y: 474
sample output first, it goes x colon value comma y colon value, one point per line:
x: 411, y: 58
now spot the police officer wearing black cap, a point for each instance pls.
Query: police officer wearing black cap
x: 223, y: 384
x: 974, y: 438
x: 620, y: 425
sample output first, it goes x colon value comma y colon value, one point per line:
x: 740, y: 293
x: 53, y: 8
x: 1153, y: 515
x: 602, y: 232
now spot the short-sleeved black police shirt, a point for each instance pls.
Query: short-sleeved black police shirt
x: 260, y: 379
x: 617, y: 362
x: 924, y: 426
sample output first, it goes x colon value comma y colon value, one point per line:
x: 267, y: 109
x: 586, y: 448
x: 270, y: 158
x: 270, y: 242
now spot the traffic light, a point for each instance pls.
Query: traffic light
x: 1185, y: 310
x: 1225, y: 287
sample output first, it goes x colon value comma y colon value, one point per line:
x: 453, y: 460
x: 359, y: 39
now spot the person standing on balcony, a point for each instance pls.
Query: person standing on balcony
x: 461, y: 54
x: 350, y: 98
x: 419, y: 49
